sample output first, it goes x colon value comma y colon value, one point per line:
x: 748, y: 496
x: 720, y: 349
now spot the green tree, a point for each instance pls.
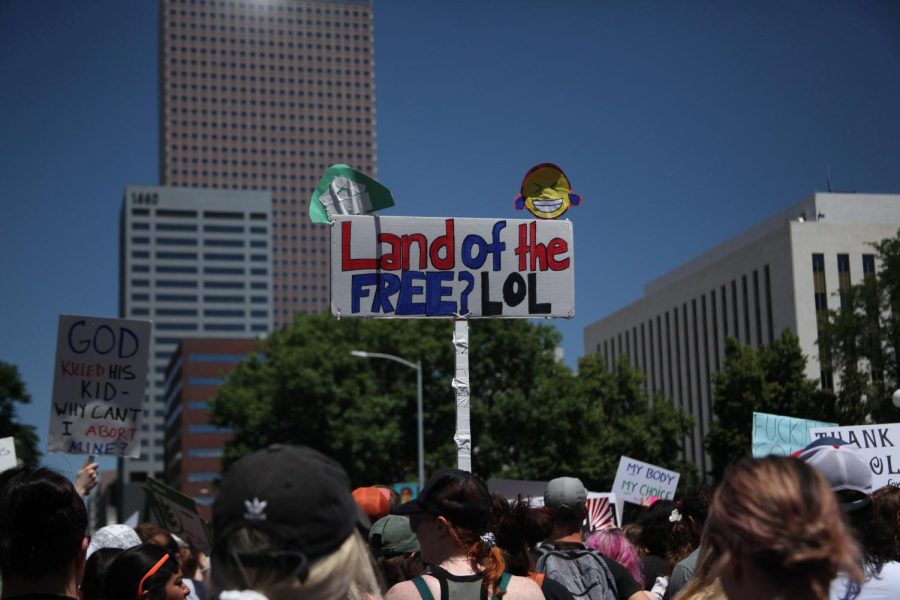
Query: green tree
x: 12, y: 391
x: 532, y: 418
x: 861, y: 339
x: 771, y: 379
x: 620, y: 420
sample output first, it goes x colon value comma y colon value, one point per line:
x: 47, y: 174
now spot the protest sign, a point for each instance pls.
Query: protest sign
x: 600, y: 511
x: 877, y: 443
x: 7, y: 453
x: 781, y: 436
x: 638, y: 481
x: 407, y: 491
x: 99, y: 379
x: 178, y: 514
x: 445, y: 267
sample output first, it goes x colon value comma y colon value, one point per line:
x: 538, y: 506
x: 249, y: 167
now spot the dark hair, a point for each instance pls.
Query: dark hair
x: 886, y: 504
x: 95, y: 570
x: 127, y: 570
x: 655, y: 526
x: 518, y: 528
x: 874, y: 539
x: 42, y: 522
x: 395, y: 569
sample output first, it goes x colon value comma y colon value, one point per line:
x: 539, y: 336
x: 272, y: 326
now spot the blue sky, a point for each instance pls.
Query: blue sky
x: 680, y: 123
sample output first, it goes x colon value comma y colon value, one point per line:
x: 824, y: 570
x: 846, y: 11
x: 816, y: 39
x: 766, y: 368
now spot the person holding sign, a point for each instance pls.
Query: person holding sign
x: 778, y: 532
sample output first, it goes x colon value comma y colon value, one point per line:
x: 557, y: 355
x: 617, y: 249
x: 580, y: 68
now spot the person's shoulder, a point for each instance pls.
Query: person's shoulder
x: 522, y: 588
x: 405, y: 590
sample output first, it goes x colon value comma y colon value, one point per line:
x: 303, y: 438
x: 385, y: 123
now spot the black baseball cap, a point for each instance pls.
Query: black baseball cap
x: 295, y: 494
x: 457, y: 495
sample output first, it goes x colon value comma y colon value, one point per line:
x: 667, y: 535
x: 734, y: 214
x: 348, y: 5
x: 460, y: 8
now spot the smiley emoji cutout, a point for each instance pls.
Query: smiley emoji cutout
x: 546, y: 192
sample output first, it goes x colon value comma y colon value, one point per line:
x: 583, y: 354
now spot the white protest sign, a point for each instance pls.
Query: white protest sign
x: 99, y: 379
x: 440, y: 267
x: 7, y: 453
x: 879, y: 444
x: 781, y: 436
x: 638, y: 481
x: 178, y: 514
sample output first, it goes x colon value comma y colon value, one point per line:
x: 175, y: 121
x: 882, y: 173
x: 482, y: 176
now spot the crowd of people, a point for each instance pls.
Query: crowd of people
x: 288, y: 526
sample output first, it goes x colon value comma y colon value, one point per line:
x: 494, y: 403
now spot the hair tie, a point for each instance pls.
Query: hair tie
x: 675, y: 516
x: 489, y: 539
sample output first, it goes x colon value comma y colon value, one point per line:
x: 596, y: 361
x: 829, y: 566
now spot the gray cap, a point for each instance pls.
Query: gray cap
x: 845, y: 469
x: 392, y: 536
x: 113, y: 536
x: 566, y: 494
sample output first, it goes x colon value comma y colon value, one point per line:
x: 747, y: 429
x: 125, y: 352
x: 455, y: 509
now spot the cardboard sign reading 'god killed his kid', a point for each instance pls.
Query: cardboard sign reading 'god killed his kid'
x: 99, y: 379
x: 441, y: 267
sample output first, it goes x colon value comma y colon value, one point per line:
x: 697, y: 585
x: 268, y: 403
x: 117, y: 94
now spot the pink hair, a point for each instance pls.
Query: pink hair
x: 613, y: 544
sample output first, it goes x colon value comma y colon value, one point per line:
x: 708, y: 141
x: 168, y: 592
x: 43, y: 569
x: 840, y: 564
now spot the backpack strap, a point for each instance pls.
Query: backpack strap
x: 420, y: 584
x: 501, y: 585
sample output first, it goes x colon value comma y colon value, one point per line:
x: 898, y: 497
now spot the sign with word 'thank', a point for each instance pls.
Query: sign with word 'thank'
x: 879, y: 444
x: 446, y: 267
x: 99, y: 379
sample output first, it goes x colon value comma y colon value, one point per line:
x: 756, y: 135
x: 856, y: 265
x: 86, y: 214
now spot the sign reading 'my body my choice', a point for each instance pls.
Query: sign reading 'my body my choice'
x: 442, y: 267
x: 99, y: 379
x: 637, y: 481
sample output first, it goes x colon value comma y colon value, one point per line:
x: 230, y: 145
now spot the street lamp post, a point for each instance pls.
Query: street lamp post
x: 420, y: 429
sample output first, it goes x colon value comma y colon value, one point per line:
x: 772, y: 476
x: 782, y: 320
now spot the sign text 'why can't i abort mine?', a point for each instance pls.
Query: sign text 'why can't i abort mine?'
x: 442, y: 267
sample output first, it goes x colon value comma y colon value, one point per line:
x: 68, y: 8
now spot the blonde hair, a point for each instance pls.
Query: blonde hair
x: 345, y: 574
x: 781, y: 514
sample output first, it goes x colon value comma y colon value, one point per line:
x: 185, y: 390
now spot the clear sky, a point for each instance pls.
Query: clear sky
x: 680, y: 124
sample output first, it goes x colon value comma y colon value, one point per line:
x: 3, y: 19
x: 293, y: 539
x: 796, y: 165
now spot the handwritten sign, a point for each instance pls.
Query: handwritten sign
x: 638, y: 481
x: 441, y: 267
x: 99, y: 379
x: 7, y: 453
x: 781, y: 436
x: 879, y: 444
x: 178, y: 514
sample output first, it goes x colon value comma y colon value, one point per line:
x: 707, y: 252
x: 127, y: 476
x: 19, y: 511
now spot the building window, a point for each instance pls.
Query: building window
x: 868, y: 261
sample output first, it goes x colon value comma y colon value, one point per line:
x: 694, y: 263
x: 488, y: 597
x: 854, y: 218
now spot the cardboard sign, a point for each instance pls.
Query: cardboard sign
x: 879, y: 444
x: 178, y: 514
x: 600, y: 511
x: 99, y: 379
x: 637, y: 481
x: 781, y: 436
x: 7, y: 453
x: 408, y: 491
x: 441, y: 267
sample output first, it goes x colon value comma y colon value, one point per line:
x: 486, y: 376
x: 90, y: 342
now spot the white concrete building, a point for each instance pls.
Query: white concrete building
x: 776, y: 275
x: 196, y: 262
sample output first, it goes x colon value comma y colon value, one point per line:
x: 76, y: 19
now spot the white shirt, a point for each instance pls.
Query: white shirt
x: 884, y: 586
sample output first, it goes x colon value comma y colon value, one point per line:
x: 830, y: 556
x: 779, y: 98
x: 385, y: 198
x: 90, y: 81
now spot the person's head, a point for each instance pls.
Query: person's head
x: 694, y: 507
x: 886, y: 505
x: 373, y: 501
x: 632, y: 531
x: 847, y: 472
x: 118, y: 536
x: 145, y: 572
x: 154, y: 534
x: 285, y: 526
x: 95, y: 571
x: 612, y: 543
x: 566, y: 497
x: 396, y: 549
x: 42, y: 527
x: 518, y: 529
x: 656, y: 526
x: 774, y: 524
x: 450, y: 517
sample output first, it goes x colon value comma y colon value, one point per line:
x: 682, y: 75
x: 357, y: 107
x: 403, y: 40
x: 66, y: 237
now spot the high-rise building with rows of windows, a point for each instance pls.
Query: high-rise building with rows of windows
x: 197, y: 263
x: 265, y: 95
x: 781, y: 274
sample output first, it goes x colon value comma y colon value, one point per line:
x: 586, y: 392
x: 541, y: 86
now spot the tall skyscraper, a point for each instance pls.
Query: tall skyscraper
x: 265, y: 95
x: 196, y: 263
